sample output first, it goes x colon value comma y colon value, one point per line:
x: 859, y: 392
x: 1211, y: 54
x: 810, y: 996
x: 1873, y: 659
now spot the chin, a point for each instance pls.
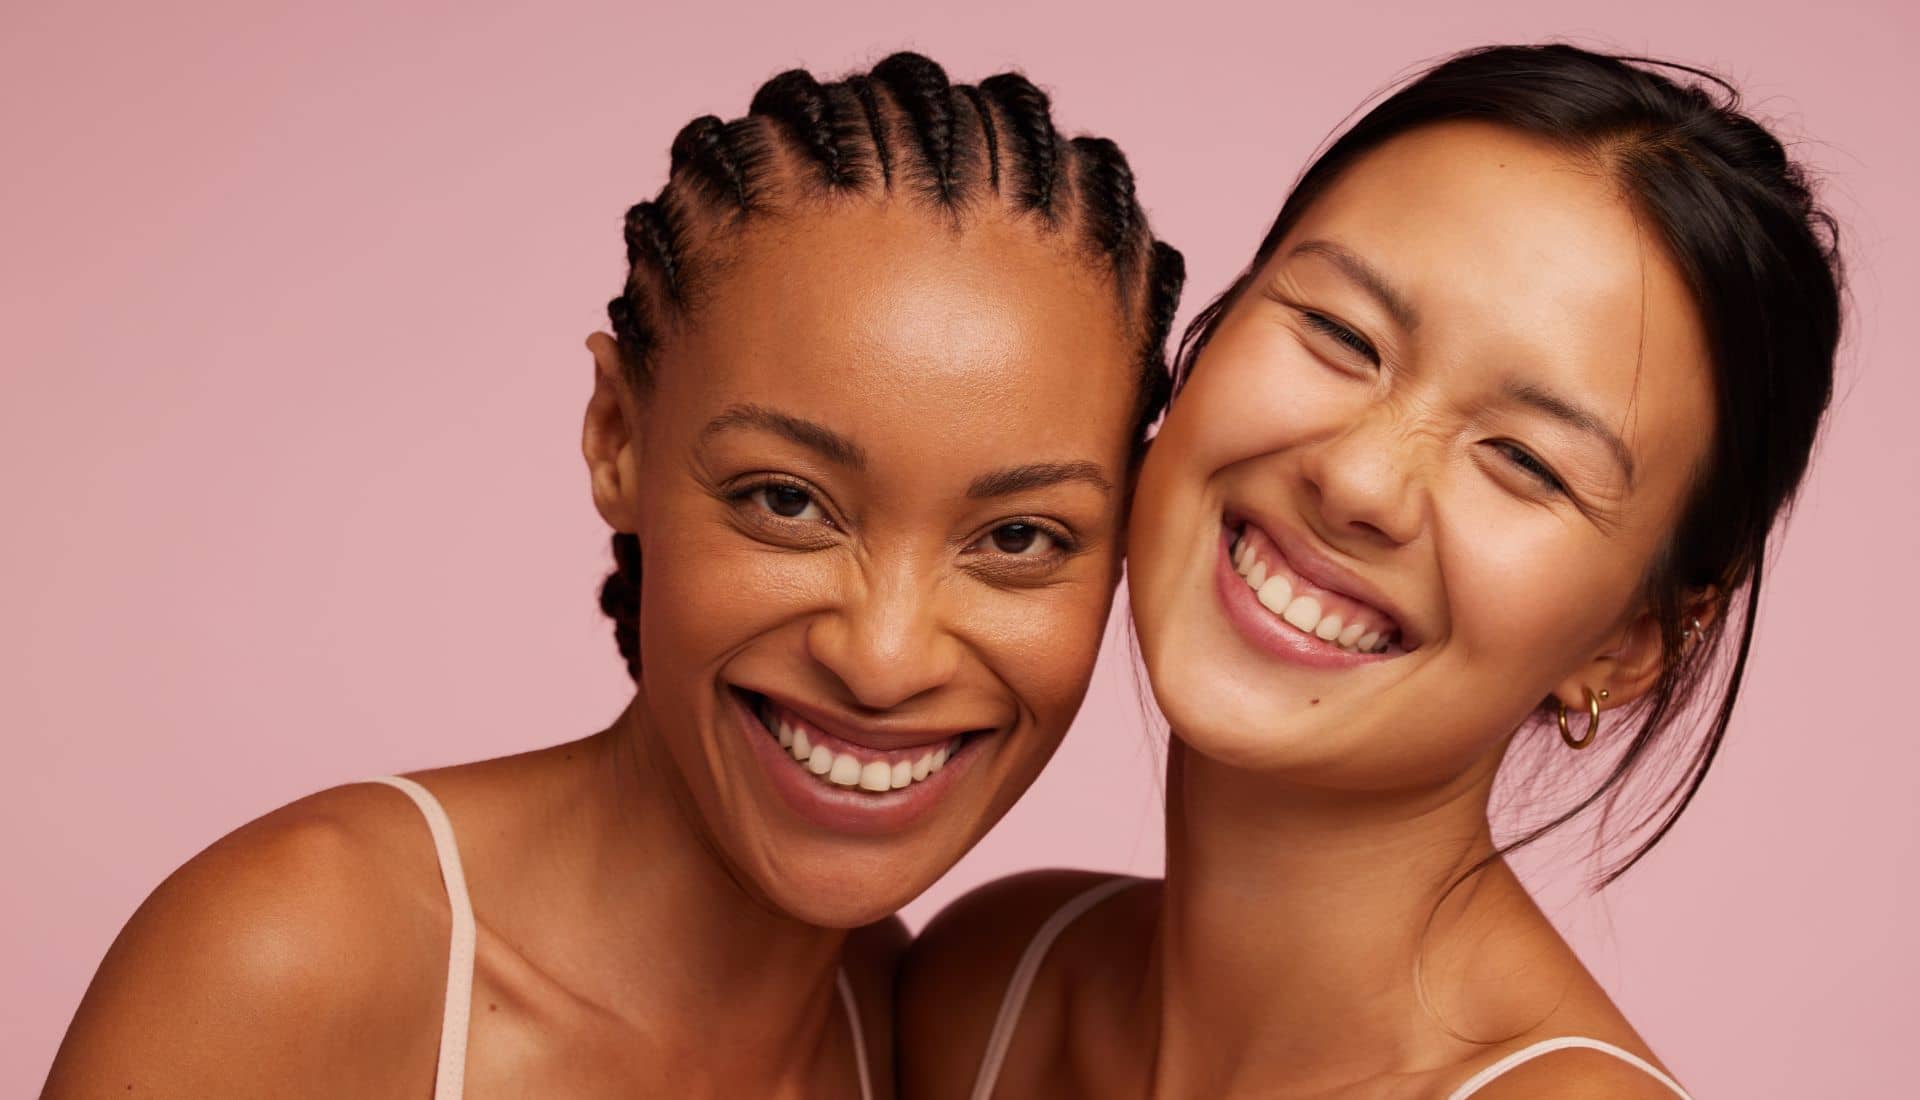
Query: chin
x: 848, y: 890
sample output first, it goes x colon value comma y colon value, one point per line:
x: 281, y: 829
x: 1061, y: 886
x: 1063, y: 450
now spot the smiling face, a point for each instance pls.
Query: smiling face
x: 877, y: 486
x: 1445, y: 431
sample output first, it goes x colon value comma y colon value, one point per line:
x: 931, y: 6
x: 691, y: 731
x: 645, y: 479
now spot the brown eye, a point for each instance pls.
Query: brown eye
x: 1020, y: 540
x: 787, y: 502
x: 1016, y: 538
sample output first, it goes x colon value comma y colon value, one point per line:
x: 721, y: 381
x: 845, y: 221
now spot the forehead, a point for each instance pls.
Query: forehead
x: 904, y: 328
x: 1522, y: 260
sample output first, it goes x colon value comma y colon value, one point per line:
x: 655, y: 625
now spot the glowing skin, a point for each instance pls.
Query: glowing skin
x: 883, y: 604
x: 664, y: 907
x: 1368, y: 452
x: 1526, y: 274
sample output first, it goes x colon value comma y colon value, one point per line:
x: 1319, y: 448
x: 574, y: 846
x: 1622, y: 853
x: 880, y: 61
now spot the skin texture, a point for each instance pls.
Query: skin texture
x: 653, y: 920
x: 1317, y: 816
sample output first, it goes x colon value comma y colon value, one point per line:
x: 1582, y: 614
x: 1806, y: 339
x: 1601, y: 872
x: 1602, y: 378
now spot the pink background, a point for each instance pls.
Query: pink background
x: 292, y: 308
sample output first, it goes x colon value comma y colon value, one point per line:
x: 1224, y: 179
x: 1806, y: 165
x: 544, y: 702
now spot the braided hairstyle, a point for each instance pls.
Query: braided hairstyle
x: 901, y: 128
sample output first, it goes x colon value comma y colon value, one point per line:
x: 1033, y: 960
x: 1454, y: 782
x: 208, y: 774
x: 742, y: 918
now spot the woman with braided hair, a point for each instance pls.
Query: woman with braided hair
x: 864, y: 429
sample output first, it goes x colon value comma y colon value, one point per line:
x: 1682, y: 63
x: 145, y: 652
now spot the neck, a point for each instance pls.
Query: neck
x: 662, y: 934
x: 1296, y: 924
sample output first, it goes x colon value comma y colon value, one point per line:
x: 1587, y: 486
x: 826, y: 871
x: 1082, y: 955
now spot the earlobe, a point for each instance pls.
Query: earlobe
x: 608, y: 437
x: 1623, y: 671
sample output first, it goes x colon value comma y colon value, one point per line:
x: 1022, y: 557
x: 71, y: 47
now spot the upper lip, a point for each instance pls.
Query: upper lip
x: 883, y: 736
x: 1316, y: 567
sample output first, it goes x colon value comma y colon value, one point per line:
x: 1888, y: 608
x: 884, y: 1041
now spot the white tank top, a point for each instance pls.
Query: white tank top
x: 449, y: 1078
x: 1021, y: 983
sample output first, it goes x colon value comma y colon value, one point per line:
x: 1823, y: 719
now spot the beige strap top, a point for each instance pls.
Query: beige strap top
x: 449, y: 1079
x: 1029, y: 967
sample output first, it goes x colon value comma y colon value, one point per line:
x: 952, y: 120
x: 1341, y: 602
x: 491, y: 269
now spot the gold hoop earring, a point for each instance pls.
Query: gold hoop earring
x: 1593, y: 721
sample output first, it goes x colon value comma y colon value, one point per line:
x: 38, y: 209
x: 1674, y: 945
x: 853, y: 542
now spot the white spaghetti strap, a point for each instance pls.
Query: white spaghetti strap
x: 859, y: 1033
x: 449, y: 1077
x: 1565, y: 1042
x: 1022, y: 981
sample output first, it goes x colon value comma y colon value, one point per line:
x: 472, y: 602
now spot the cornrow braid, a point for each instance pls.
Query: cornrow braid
x: 1032, y: 139
x: 921, y: 89
x: 797, y: 101
x: 857, y: 138
x: 984, y: 114
x: 862, y: 88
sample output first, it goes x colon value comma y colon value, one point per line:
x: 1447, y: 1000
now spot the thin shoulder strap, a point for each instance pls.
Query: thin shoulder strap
x: 449, y: 1078
x: 1566, y: 1042
x: 1022, y: 981
x: 859, y: 1033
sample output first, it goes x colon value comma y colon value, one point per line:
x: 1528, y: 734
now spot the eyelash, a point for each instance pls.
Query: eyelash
x: 1340, y: 334
x: 1063, y: 543
x: 1533, y: 467
x: 747, y: 493
x: 1354, y: 342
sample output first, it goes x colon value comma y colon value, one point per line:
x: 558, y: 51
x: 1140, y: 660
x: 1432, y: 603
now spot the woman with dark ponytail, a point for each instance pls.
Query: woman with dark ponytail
x: 1472, y: 473
x: 864, y: 429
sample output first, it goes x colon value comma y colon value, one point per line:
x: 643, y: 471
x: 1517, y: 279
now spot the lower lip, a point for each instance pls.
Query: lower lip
x: 847, y: 809
x: 1264, y: 630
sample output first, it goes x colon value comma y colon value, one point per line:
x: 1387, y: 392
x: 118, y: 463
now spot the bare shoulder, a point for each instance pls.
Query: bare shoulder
x: 302, y: 953
x: 955, y: 974
x: 1576, y: 1074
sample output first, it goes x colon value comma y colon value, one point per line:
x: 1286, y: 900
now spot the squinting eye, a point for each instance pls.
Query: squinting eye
x: 787, y: 502
x: 1021, y: 540
x: 1532, y: 466
x: 1341, y: 334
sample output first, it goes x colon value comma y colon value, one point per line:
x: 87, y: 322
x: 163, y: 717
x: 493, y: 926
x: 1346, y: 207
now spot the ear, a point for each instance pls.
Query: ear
x: 1630, y: 663
x: 610, y: 437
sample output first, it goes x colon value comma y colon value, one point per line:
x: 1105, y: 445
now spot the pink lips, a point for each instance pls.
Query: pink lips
x: 847, y: 809
x: 1264, y: 630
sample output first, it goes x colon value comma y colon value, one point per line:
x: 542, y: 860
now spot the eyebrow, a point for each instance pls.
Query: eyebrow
x: 833, y: 446
x: 1366, y: 275
x: 1036, y: 475
x: 1574, y: 416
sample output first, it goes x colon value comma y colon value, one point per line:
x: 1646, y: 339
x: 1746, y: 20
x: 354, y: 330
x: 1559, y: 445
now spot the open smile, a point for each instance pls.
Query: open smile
x: 1290, y: 608
x: 848, y: 779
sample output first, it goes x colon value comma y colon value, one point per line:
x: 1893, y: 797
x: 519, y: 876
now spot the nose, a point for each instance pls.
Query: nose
x: 1366, y: 479
x: 887, y: 644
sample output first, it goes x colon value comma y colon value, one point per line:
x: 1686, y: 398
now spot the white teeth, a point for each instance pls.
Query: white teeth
x: 1329, y: 628
x: 846, y: 770
x: 1303, y: 613
x: 1276, y: 594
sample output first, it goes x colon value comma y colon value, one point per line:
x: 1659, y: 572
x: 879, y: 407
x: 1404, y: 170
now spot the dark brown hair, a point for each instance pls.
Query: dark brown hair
x: 1760, y: 258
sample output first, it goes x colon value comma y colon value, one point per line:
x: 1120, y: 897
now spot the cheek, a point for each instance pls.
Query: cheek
x: 1257, y: 391
x: 1526, y: 589
x: 1042, y: 645
x: 706, y: 590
